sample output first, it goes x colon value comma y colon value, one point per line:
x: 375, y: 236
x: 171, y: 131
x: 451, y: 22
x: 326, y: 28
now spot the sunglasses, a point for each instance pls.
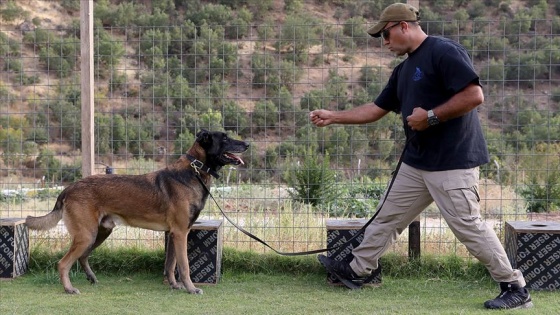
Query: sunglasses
x: 386, y: 32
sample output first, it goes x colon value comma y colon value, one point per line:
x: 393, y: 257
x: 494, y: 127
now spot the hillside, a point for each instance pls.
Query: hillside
x: 54, y: 16
x: 346, y: 59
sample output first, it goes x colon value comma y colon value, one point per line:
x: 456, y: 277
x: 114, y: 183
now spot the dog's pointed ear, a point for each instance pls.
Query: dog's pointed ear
x: 202, y: 136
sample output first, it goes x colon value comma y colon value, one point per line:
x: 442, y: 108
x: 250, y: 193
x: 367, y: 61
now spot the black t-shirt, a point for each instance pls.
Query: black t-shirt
x: 431, y: 75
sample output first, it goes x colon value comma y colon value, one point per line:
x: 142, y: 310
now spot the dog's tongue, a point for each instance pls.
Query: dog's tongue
x: 235, y: 157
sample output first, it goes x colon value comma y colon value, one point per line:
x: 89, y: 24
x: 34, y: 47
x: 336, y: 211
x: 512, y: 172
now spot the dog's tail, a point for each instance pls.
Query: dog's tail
x: 49, y: 220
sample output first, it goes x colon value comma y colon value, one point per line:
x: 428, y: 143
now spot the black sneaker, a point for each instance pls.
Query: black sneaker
x: 342, y: 271
x: 511, y: 297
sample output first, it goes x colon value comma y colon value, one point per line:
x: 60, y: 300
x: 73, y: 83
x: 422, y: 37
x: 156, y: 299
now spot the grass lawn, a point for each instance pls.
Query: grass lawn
x: 254, y: 293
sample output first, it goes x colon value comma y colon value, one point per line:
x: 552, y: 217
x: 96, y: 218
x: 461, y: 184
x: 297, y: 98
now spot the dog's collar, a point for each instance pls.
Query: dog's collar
x: 198, y: 165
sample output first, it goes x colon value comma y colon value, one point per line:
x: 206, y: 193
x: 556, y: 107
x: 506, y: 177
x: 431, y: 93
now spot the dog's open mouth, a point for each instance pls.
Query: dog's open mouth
x: 233, y: 159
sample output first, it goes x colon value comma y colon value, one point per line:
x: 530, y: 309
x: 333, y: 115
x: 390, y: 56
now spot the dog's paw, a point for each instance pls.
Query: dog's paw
x: 177, y: 286
x: 92, y: 279
x: 196, y: 291
x: 72, y: 290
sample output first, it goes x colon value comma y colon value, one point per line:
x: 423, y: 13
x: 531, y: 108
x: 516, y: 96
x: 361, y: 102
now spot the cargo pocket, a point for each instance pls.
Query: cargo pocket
x: 463, y: 193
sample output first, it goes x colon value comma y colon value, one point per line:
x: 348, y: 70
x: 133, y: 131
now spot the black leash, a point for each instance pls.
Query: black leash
x: 196, y: 164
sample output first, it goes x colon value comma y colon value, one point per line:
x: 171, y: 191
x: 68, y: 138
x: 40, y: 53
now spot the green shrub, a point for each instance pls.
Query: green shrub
x: 157, y: 18
x: 357, y: 200
x: 180, y: 92
x: 71, y: 5
x: 108, y: 52
x: 104, y: 12
x: 154, y: 43
x: 525, y: 68
x: 8, y: 46
x: 16, y: 142
x: 290, y: 148
x: 294, y: 5
x: 298, y: 33
x: 461, y: 15
x: 12, y: 12
x: 543, y: 197
x: 235, y: 117
x: 54, y: 62
x: 28, y: 79
x: 284, y: 102
x: 476, y: 9
x: 313, y: 181
x: 270, y: 159
x: 47, y: 162
x: 139, y: 131
x: 102, y: 133
x: 431, y: 22
x: 265, y: 115
x: 212, y: 14
x: 240, y: 25
x: 555, y: 95
x: 261, y: 67
x: 337, y: 142
x: 6, y: 97
x: 39, y: 38
x: 211, y: 120
x: 273, y: 75
x: 258, y: 7
x: 369, y: 74
x: 67, y: 115
x: 118, y: 132
x: 336, y: 89
x: 11, y: 145
x: 183, y: 142
x: 12, y: 65
x: 117, y: 81
x: 314, y: 99
x: 355, y: 28
x: 494, y: 72
x: 514, y: 28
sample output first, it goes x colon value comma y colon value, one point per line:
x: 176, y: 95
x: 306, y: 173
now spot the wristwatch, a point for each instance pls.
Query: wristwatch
x: 432, y: 118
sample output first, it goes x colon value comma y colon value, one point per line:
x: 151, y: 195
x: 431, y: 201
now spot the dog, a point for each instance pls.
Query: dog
x: 168, y: 199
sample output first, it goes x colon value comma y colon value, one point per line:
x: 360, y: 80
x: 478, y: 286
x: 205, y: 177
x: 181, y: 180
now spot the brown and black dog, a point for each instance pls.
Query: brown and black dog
x: 169, y: 199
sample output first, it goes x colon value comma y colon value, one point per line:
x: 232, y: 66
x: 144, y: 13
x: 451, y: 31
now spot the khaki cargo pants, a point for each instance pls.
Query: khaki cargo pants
x: 455, y: 192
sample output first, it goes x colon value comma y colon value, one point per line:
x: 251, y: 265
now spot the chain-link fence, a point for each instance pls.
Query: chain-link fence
x: 157, y: 83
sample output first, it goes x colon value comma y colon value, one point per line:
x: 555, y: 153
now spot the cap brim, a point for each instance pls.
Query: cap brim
x: 375, y: 31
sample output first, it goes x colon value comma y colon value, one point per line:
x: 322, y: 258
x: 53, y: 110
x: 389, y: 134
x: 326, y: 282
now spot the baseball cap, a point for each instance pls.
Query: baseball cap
x: 396, y: 12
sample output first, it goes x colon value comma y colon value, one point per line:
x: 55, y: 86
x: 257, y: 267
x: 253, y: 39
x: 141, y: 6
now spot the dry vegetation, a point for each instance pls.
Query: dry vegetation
x: 268, y: 210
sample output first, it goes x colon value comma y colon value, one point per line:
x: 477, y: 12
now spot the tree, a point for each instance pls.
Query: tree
x: 355, y: 28
x: 108, y: 52
x: 12, y: 12
x: 297, y: 35
x: 313, y: 182
x: 265, y: 115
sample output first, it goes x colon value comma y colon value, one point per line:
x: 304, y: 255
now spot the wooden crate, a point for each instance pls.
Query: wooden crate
x: 204, y: 249
x: 339, y: 232
x: 14, y: 247
x: 533, y: 247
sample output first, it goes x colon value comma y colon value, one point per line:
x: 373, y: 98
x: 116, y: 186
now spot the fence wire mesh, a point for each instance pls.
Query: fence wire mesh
x: 156, y: 86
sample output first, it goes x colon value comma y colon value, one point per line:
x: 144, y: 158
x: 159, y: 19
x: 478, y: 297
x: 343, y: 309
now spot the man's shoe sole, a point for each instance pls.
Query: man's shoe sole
x: 523, y: 306
x: 349, y: 284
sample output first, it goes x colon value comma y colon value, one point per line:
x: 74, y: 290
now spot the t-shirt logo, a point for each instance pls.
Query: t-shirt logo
x: 418, y: 75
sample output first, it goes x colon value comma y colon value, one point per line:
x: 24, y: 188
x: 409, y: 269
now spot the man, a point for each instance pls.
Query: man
x: 437, y: 91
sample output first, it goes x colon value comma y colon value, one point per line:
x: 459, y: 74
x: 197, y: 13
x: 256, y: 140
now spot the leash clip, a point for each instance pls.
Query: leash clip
x: 196, y: 165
